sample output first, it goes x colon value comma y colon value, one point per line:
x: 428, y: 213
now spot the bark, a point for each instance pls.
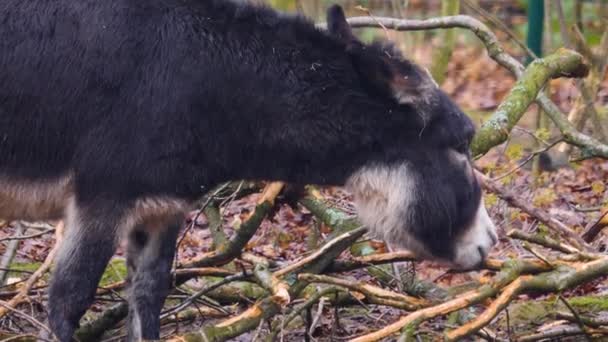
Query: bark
x: 496, y: 130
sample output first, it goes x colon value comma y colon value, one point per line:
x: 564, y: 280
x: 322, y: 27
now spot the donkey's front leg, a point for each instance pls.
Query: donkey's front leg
x: 89, y: 242
x: 151, y: 249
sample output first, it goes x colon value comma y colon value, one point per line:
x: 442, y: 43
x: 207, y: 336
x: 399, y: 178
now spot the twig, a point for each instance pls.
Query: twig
x: 557, y: 333
x: 279, y: 325
x: 184, y: 304
x: 510, y: 271
x: 596, y: 228
x: 30, y: 236
x: 23, y: 292
x: 563, y: 25
x: 555, y: 281
x: 537, y: 213
x: 543, y: 241
x: 317, y: 317
x: 526, y: 160
x: 9, y: 254
x: 577, y: 317
x: 374, y: 294
x: 498, y: 23
x: 27, y: 317
x: 307, y: 260
x: 591, y: 322
x: 369, y: 260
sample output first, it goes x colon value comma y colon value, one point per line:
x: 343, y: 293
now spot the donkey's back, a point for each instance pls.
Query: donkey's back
x: 89, y: 95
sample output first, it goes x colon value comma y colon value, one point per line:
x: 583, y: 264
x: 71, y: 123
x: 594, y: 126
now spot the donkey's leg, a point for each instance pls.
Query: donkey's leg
x: 89, y: 243
x: 151, y: 248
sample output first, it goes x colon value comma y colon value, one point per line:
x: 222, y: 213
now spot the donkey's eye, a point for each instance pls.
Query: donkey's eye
x: 463, y: 147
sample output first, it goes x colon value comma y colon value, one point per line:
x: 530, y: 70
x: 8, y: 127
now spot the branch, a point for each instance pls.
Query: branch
x: 496, y: 129
x: 279, y: 325
x: 225, y: 253
x: 558, y: 333
x: 22, y: 295
x: 267, y: 307
x: 511, y: 270
x: 497, y: 53
x: 375, y: 295
x: 561, y: 279
x: 9, y: 254
x: 370, y: 260
x: 537, y: 213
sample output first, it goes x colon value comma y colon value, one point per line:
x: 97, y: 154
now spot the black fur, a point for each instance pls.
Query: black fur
x: 166, y: 98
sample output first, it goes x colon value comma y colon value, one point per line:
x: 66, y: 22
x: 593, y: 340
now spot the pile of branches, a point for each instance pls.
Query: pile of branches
x: 277, y: 294
x: 281, y: 293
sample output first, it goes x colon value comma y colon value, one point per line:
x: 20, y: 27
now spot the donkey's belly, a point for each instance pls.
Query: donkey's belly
x: 34, y: 200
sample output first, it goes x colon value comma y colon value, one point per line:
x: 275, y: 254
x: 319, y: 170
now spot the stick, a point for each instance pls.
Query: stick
x: 9, y: 254
x: 23, y: 292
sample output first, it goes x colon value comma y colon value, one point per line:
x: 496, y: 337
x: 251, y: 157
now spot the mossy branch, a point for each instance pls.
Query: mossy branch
x: 590, y: 145
x: 374, y: 295
x: 231, y: 249
x: 268, y: 307
x: 561, y: 279
x: 496, y: 130
x: 511, y: 271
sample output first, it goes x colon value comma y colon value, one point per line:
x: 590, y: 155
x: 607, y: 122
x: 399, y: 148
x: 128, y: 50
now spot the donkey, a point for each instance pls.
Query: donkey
x: 117, y: 115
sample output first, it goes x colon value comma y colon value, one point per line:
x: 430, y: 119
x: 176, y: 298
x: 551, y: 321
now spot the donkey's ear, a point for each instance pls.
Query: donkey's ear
x: 387, y: 73
x: 337, y: 24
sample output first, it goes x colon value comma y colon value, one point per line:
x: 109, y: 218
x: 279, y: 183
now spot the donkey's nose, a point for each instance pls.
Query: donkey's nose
x: 475, y: 244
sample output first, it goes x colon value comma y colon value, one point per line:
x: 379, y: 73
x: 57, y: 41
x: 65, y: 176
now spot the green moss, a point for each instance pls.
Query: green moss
x: 23, y: 266
x: 116, y: 271
x: 526, y: 313
x: 599, y: 303
x: 531, y: 312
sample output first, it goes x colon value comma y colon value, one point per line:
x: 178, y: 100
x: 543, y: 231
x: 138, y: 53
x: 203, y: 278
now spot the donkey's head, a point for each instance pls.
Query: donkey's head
x: 423, y: 195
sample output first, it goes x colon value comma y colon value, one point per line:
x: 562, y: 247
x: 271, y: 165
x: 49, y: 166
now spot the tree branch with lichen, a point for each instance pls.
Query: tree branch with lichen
x: 592, y: 146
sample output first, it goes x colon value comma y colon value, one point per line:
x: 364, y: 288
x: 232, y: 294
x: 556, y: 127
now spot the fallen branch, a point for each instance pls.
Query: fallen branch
x: 279, y: 325
x: 29, y: 236
x: 511, y: 270
x: 555, y: 334
x: 33, y: 279
x: 561, y: 279
x: 9, y: 254
x: 278, y: 289
x: 543, y: 241
x: 588, y: 321
x: 267, y: 307
x: 225, y: 253
x: 375, y: 295
x: 370, y: 260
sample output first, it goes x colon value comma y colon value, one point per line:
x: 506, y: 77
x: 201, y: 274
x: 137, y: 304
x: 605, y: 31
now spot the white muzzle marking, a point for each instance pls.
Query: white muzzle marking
x: 475, y: 244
